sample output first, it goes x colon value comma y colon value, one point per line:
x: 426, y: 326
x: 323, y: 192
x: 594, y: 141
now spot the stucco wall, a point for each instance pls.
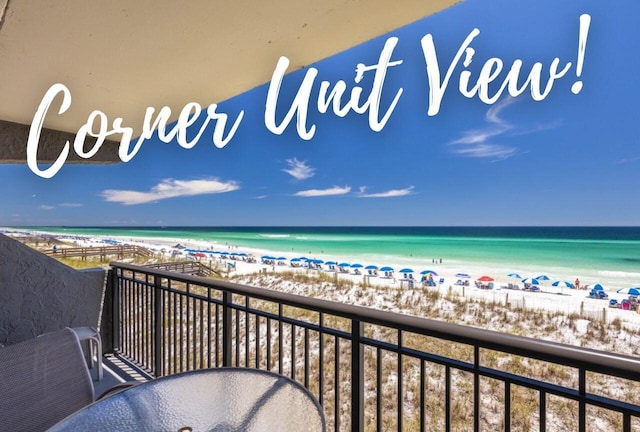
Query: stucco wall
x: 38, y: 294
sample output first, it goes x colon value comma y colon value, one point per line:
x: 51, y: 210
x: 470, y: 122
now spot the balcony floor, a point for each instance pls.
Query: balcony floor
x: 116, y: 370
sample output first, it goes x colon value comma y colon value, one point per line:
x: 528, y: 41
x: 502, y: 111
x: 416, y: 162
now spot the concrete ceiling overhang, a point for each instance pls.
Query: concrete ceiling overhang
x: 122, y: 56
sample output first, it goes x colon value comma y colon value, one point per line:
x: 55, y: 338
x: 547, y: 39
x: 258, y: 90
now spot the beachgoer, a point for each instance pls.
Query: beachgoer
x: 577, y: 283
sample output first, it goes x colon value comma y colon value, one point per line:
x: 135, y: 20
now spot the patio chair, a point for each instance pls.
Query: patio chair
x: 42, y: 381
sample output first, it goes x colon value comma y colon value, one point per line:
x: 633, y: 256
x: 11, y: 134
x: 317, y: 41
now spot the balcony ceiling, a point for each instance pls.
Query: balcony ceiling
x: 121, y: 56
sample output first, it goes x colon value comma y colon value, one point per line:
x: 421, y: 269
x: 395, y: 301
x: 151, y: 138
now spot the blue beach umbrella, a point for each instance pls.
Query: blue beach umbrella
x: 463, y: 275
x: 514, y: 275
x: 531, y: 281
x: 565, y: 284
x: 631, y: 291
x: 424, y: 272
x: 596, y: 287
x: 371, y: 267
x: 295, y: 260
x: 330, y: 263
x: 356, y: 265
x: 386, y: 269
x: 344, y: 264
x: 406, y: 270
x: 542, y: 277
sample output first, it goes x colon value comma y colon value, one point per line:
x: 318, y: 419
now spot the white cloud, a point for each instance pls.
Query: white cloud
x: 299, y: 169
x: 260, y: 197
x: 46, y: 207
x: 473, y: 143
x: 336, y: 190
x: 71, y: 205
x: 388, y: 194
x: 170, y: 188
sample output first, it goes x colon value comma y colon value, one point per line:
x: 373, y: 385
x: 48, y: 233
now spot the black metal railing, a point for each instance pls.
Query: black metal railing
x: 371, y: 369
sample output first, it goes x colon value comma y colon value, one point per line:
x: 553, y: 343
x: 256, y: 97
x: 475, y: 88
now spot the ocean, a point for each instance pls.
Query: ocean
x: 606, y: 255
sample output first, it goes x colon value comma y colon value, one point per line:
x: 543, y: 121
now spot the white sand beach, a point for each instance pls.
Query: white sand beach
x: 548, y: 297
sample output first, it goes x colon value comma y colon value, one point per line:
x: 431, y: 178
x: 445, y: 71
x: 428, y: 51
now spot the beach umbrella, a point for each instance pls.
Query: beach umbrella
x: 631, y: 291
x: 371, y: 267
x: 282, y: 258
x: 562, y: 284
x: 386, y: 269
x: 330, y: 263
x: 295, y: 260
x: 595, y: 287
x: 485, y: 279
x: 356, y: 265
x: 344, y: 264
x: 542, y: 277
x: 406, y: 270
x: 431, y: 272
x: 200, y: 255
x: 462, y: 275
x: 531, y: 281
x: 514, y: 275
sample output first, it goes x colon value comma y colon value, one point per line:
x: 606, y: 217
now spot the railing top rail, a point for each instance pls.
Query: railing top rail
x: 589, y: 359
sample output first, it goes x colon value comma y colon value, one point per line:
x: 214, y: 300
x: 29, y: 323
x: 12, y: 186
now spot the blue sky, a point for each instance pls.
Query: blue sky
x: 568, y: 159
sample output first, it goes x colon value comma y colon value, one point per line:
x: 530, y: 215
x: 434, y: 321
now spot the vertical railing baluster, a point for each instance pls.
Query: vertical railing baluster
x: 280, y: 341
x: 293, y: 352
x: 400, y: 386
x: 507, y: 406
x: 158, y: 311
x: 268, y: 347
x: 543, y: 411
x: 321, y: 360
x: 422, y: 396
x: 257, y: 331
x: 357, y: 376
x: 306, y: 357
x: 476, y: 388
x: 582, y: 390
x: 115, y: 307
x: 447, y: 398
x: 237, y: 323
x: 247, y: 326
x: 226, y: 328
x: 378, y: 389
x: 336, y: 384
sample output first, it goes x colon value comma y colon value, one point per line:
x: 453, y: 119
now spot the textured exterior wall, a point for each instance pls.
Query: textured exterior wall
x: 38, y: 294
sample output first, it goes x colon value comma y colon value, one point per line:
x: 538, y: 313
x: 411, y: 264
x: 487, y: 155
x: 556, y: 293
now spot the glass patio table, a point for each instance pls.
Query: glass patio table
x: 220, y: 399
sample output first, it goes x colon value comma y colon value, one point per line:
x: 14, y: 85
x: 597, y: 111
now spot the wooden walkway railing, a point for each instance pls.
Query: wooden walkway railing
x: 102, y: 251
x: 185, y: 267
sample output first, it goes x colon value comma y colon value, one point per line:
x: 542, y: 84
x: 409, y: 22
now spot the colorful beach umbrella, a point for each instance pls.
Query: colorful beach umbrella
x: 595, y: 287
x: 514, y: 275
x: 485, y: 279
x: 631, y: 291
x: 431, y: 272
x: 542, y: 277
x: 562, y: 284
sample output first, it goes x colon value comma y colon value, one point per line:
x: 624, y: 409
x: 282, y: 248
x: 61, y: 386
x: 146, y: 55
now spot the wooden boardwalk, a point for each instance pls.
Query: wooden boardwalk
x: 186, y: 267
x: 119, y: 251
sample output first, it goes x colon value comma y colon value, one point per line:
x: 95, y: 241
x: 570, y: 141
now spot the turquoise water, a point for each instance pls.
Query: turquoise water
x: 609, y: 255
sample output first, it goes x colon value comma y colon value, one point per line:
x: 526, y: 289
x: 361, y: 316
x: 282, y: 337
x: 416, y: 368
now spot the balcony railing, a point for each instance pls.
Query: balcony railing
x: 371, y: 369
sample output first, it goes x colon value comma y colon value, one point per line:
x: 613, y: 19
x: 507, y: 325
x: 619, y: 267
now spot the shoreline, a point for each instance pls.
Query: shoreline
x: 549, y: 298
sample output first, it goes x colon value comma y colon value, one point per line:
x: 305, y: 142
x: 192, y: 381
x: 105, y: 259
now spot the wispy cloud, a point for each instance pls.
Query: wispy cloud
x: 476, y: 143
x: 170, y: 188
x: 46, y: 207
x: 71, y: 205
x: 387, y: 194
x: 260, y: 197
x: 299, y: 169
x: 628, y: 160
x: 336, y: 190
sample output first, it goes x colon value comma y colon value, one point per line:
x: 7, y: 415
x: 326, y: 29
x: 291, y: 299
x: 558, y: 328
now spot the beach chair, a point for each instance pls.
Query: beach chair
x: 613, y: 303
